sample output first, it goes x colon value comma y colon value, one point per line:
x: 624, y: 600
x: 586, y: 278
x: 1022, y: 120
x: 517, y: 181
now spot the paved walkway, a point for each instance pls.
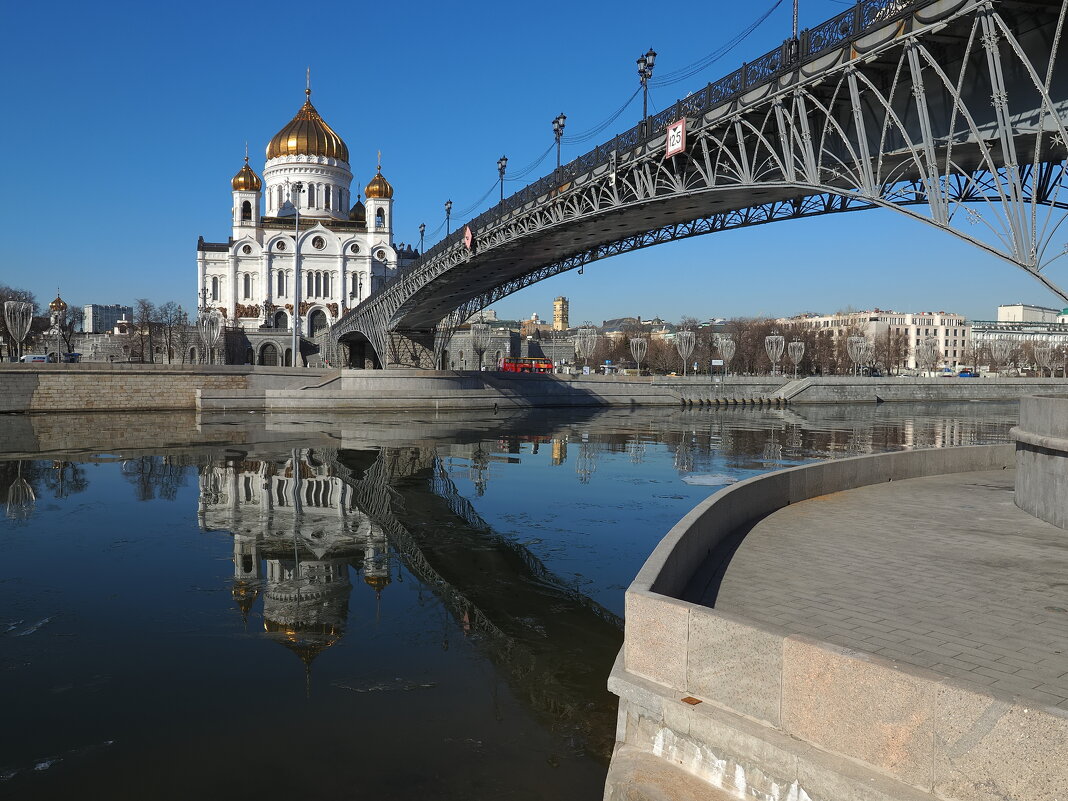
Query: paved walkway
x: 945, y: 573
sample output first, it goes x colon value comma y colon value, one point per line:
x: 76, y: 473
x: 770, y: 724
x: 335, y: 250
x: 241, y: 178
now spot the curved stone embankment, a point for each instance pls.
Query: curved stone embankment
x: 1042, y: 458
x: 715, y: 705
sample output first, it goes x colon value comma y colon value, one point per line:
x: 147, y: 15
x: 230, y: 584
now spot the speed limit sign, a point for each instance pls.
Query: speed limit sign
x: 676, y: 138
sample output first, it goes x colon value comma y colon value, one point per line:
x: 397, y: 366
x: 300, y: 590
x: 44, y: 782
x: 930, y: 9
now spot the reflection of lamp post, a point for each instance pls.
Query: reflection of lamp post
x: 558, y: 132
x: 645, y: 72
x: 502, y: 165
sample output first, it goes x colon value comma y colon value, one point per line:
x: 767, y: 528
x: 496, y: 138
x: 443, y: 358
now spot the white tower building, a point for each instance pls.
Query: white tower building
x: 345, y: 251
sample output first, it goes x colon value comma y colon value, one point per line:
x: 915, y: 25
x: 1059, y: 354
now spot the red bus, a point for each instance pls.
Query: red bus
x: 517, y: 364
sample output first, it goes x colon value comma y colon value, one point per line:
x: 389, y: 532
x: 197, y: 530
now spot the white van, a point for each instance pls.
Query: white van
x: 35, y: 357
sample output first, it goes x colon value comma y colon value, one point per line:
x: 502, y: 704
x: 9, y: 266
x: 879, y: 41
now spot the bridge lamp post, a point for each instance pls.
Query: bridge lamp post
x: 448, y: 217
x: 558, y: 132
x: 502, y: 165
x: 422, y: 231
x: 645, y: 72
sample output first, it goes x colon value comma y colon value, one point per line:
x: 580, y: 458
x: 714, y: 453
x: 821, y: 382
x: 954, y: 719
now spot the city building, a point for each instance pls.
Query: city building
x: 1026, y: 313
x: 560, y: 314
x: 951, y: 331
x: 346, y: 249
x: 99, y: 318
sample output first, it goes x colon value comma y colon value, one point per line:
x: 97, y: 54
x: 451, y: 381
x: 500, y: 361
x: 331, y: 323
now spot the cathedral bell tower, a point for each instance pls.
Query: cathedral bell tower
x: 379, y: 204
x: 246, y: 185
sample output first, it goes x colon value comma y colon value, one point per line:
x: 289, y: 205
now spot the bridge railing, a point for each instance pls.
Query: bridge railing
x: 812, y: 42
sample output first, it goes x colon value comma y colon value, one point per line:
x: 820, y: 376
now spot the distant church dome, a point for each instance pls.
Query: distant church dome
x: 379, y: 187
x: 358, y: 212
x: 307, y: 134
x: 57, y: 305
x: 246, y: 180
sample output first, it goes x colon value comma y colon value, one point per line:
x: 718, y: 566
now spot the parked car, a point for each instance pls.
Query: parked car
x: 967, y: 374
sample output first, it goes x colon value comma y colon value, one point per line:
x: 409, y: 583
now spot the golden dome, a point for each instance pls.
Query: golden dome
x: 58, y: 304
x: 307, y: 134
x: 246, y: 180
x: 358, y: 212
x: 379, y: 186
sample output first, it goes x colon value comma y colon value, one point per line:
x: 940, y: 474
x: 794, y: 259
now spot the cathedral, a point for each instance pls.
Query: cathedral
x: 345, y: 248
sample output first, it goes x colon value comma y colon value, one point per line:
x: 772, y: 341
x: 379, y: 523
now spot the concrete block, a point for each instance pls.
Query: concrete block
x: 657, y: 630
x: 987, y: 748
x: 735, y: 664
x: 854, y: 706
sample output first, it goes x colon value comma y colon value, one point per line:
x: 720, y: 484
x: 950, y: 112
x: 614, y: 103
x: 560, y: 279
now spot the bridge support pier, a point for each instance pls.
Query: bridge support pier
x: 410, y: 348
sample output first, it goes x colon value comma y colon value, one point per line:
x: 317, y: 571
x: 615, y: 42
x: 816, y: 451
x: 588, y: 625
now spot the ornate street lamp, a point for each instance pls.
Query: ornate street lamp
x: 422, y: 231
x: 502, y: 165
x: 209, y: 327
x: 684, y: 343
x: 639, y: 346
x: 645, y: 72
x: 856, y: 347
x: 796, y: 350
x: 480, y: 339
x: 586, y: 342
x: 558, y: 132
x: 18, y: 314
x: 774, y: 344
x: 448, y: 217
x: 726, y: 346
x: 1044, y: 356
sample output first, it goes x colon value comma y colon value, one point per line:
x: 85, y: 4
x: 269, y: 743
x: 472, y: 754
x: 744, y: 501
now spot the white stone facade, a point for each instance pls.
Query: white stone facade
x: 346, y: 249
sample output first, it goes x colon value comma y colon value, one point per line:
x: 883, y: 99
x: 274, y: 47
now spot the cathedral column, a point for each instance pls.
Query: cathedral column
x: 231, y: 306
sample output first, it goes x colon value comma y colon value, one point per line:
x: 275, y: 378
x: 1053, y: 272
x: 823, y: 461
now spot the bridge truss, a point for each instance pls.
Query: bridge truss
x: 949, y: 111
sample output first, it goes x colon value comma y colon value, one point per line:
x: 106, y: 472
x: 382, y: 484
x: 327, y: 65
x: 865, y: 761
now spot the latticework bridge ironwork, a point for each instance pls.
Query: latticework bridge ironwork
x: 952, y: 112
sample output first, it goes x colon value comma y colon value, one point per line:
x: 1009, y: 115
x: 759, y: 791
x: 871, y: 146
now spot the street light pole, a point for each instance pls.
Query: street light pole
x: 422, y: 230
x: 294, y: 196
x: 448, y: 217
x: 502, y: 165
x: 645, y: 72
x: 558, y: 132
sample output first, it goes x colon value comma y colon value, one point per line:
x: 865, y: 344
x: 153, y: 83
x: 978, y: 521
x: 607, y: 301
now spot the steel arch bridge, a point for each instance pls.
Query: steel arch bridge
x: 952, y: 112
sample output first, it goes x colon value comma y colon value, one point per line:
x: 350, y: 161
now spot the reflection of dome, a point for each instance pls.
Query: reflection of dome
x: 246, y: 180
x: 358, y: 212
x: 379, y: 187
x: 57, y: 305
x: 245, y: 594
x: 307, y: 642
x: 378, y: 583
x: 307, y: 134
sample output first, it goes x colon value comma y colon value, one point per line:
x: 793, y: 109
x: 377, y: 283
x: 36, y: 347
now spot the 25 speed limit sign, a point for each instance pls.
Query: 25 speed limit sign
x: 676, y: 138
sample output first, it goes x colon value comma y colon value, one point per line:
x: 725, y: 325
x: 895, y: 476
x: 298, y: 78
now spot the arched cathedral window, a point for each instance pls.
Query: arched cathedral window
x: 326, y: 197
x: 311, y: 196
x: 215, y: 288
x: 246, y: 211
x: 380, y: 218
x: 281, y: 283
x: 248, y: 286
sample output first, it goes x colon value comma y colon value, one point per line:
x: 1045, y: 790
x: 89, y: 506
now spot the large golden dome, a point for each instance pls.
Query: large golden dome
x: 246, y: 180
x: 379, y: 187
x: 307, y: 134
x: 57, y: 305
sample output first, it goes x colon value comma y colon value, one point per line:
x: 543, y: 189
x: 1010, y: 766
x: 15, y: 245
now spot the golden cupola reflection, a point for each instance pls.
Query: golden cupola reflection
x: 379, y: 186
x: 307, y: 134
x: 246, y: 180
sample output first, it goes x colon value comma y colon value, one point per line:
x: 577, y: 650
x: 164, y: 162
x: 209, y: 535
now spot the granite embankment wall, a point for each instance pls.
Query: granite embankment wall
x: 786, y: 716
x: 1042, y: 459
x: 133, y: 387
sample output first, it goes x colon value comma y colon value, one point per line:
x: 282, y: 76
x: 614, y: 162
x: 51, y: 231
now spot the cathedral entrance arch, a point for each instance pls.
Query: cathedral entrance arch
x: 317, y: 323
x: 269, y: 355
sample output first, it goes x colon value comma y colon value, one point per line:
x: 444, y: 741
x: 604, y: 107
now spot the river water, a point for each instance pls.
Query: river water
x: 399, y: 607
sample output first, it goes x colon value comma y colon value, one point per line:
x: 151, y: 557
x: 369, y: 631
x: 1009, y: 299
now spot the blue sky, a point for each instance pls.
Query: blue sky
x: 126, y: 122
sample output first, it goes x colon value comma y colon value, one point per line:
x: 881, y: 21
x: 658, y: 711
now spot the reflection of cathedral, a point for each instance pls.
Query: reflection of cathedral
x: 296, y: 534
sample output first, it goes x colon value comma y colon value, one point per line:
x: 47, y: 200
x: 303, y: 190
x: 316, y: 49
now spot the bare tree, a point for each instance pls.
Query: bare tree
x: 144, y: 322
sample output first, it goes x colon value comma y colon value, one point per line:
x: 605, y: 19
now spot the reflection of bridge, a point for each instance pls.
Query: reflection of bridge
x: 950, y: 111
